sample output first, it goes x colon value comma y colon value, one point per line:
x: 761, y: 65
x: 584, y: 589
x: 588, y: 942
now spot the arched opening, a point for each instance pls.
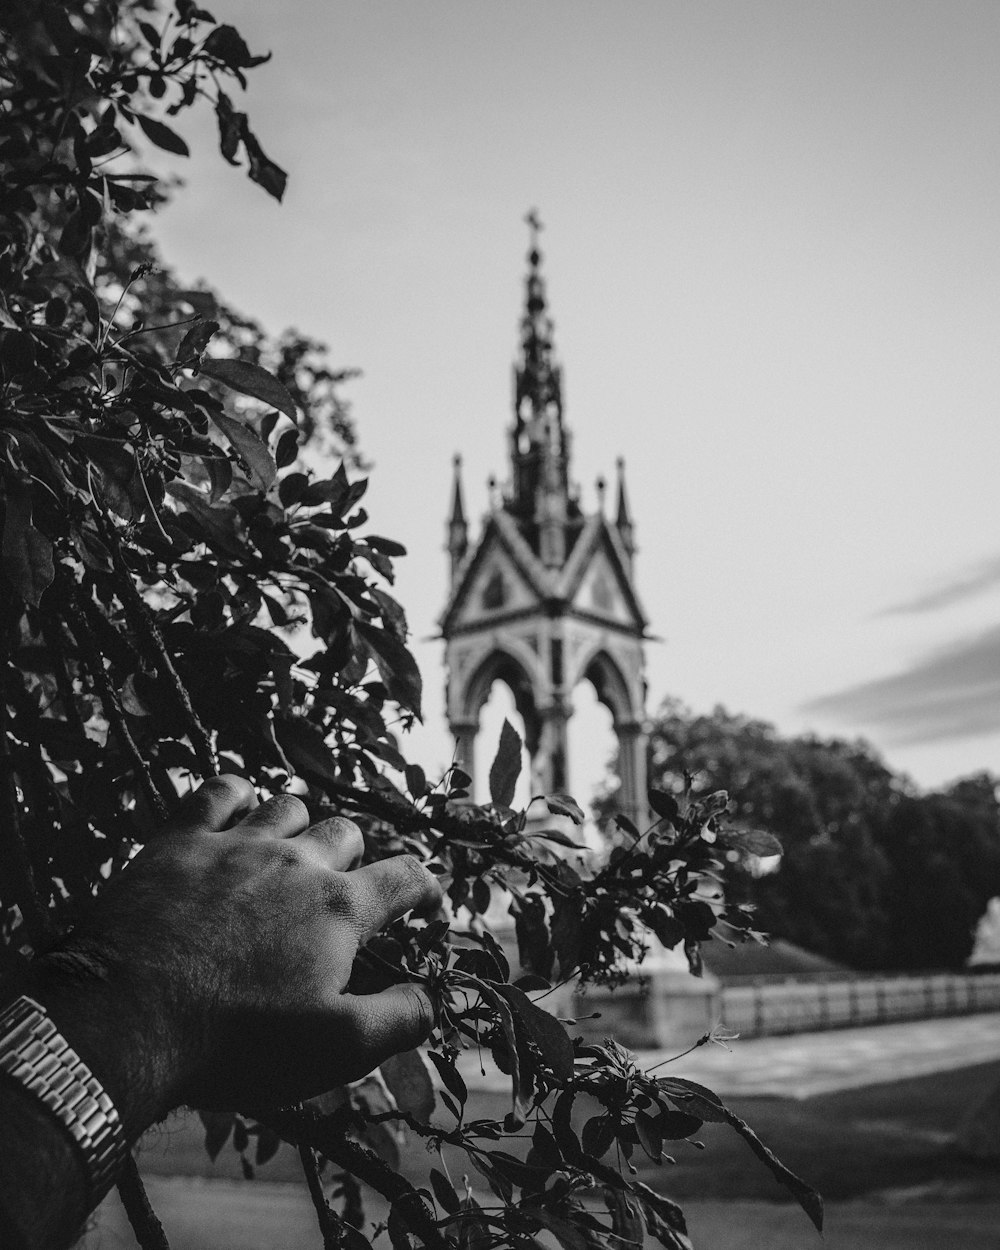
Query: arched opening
x: 593, y: 747
x: 500, y: 705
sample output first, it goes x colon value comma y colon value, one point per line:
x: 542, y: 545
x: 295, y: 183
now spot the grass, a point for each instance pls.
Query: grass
x: 891, y: 1141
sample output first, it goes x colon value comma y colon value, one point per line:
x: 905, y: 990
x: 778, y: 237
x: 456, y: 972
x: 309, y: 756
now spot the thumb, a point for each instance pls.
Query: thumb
x: 383, y: 1024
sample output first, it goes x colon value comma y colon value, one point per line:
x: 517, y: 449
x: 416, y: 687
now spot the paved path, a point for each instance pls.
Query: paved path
x: 235, y: 1215
x: 805, y: 1064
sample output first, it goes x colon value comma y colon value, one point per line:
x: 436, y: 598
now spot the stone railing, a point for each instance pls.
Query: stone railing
x: 763, y: 1008
x: 658, y: 1009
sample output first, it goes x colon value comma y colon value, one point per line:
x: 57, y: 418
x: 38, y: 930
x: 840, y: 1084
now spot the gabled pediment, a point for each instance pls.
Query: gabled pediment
x: 596, y: 581
x: 501, y: 576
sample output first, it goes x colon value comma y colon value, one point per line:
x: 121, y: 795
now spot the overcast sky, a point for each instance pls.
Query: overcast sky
x: 772, y: 257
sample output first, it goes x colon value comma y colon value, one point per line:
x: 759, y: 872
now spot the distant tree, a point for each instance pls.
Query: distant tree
x: 944, y: 855
x: 873, y: 874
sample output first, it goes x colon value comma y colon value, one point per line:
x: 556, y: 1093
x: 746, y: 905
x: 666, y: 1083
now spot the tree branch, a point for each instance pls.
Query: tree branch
x: 324, y: 1134
x: 145, y: 1224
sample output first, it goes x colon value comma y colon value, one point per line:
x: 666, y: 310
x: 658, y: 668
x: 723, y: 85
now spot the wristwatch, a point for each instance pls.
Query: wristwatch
x: 36, y: 1055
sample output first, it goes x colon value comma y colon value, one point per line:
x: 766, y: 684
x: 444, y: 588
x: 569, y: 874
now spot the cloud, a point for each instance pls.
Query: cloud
x: 974, y: 582
x: 951, y: 693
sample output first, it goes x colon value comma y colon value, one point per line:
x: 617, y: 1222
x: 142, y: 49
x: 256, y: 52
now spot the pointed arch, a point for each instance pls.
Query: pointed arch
x: 605, y: 675
x: 503, y: 664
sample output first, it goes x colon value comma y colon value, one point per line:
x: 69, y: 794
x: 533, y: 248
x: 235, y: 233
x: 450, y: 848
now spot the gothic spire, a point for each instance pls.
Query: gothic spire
x: 538, y: 379
x: 458, y: 530
x: 539, y: 443
x: 623, y: 519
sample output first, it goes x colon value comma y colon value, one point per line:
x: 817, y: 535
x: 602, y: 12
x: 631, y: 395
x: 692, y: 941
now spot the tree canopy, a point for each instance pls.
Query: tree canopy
x: 874, y: 874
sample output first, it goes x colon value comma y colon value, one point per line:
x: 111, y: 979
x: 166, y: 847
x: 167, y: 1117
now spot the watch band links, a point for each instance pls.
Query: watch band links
x: 34, y: 1053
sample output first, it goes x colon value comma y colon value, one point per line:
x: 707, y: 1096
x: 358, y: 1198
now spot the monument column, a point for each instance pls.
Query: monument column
x: 632, y: 771
x: 465, y: 748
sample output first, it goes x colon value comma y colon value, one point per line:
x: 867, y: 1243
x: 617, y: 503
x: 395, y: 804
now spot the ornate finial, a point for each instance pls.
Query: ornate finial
x: 623, y: 519
x: 601, y: 487
x: 458, y: 530
x: 535, y: 225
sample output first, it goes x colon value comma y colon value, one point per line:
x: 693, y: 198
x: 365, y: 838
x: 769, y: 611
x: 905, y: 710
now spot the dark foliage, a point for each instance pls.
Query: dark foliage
x: 183, y: 594
x: 873, y: 874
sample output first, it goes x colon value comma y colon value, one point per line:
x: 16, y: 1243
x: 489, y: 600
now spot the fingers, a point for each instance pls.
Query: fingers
x: 283, y: 816
x: 215, y: 805
x: 341, y: 840
x: 385, y: 890
x: 383, y: 1024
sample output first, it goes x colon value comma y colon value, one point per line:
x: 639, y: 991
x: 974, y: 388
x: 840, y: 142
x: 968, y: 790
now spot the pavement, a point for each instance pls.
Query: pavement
x: 233, y: 1215
x: 803, y: 1065
x: 222, y: 1214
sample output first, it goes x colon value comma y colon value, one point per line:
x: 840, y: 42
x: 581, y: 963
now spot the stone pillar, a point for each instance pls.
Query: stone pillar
x: 551, y: 765
x: 632, y: 771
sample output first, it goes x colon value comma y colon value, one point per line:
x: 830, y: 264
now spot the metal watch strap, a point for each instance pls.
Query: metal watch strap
x: 35, y: 1054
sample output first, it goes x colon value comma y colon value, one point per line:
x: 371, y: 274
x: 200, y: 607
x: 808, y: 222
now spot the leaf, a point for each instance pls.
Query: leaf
x: 675, y: 1125
x: 560, y: 839
x: 231, y: 127
x: 506, y: 768
x: 450, y: 1076
x: 416, y: 781
x: 565, y: 805
x: 626, y: 1220
x: 444, y: 1192
x: 253, y: 451
x: 533, y: 946
x: 518, y: 1113
x: 160, y: 134
x: 410, y: 1084
x: 751, y: 841
x: 570, y: 1236
x: 669, y: 930
x: 627, y: 825
x: 664, y: 1218
x: 268, y: 1145
x: 227, y: 45
x: 396, y: 666
x: 665, y: 805
x: 218, y: 1126
x: 306, y: 748
x: 263, y: 170
x: 26, y: 552
x: 252, y: 380
x: 387, y: 546
x: 598, y: 1135
x: 131, y: 701
x: 650, y: 1138
x: 195, y: 341
x: 544, y: 1030
x: 567, y: 931
x: 697, y: 1099
x: 530, y: 981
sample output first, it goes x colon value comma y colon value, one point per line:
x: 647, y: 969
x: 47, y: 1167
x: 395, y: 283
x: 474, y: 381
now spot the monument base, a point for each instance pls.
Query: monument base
x: 659, y: 1009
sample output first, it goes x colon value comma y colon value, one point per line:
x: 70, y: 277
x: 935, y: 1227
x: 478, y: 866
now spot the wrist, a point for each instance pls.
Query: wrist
x: 117, y: 1028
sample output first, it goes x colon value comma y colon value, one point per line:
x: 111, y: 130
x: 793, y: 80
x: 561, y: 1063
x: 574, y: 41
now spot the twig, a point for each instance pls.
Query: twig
x: 112, y: 704
x: 33, y: 914
x: 145, y: 1224
x: 139, y: 610
x: 325, y: 1134
x: 330, y: 1223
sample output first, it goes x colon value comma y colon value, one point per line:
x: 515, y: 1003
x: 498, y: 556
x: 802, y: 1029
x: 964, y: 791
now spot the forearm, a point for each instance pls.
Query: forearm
x: 43, y: 1183
x: 45, y: 1186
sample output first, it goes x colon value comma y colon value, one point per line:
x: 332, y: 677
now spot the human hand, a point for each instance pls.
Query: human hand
x: 223, y: 951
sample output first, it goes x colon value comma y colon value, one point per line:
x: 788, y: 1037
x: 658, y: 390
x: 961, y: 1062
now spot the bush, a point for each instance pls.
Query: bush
x: 182, y: 594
